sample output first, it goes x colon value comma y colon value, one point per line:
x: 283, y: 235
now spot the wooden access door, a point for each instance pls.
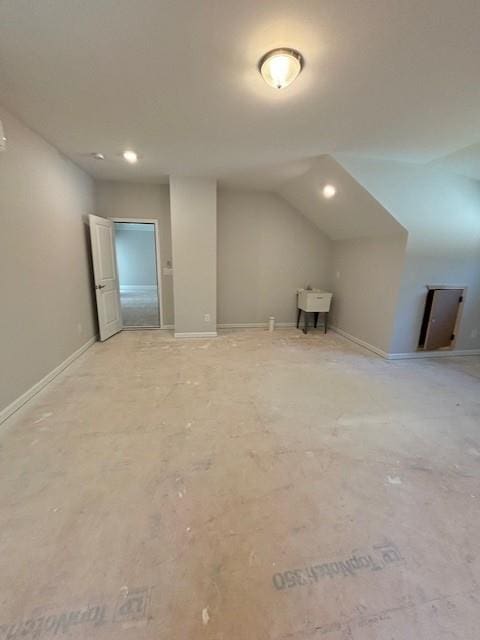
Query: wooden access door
x: 443, y: 318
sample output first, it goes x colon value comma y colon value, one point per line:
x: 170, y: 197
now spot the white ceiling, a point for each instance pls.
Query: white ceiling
x: 177, y: 81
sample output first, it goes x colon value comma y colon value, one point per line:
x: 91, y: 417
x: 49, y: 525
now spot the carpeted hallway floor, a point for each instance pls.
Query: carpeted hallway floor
x: 139, y: 306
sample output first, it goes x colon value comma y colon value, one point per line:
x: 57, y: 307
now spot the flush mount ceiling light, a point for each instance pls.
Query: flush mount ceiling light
x: 280, y: 67
x: 98, y: 156
x: 329, y: 191
x: 130, y: 156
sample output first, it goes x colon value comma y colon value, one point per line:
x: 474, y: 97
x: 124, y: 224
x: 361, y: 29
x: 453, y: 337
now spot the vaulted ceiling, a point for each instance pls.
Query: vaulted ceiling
x: 352, y: 213
x: 178, y: 81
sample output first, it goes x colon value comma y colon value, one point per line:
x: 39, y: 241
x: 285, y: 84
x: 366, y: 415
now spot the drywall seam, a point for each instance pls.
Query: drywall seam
x: 38, y: 386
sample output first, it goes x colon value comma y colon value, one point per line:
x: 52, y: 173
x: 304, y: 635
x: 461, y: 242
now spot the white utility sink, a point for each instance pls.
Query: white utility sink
x: 314, y: 300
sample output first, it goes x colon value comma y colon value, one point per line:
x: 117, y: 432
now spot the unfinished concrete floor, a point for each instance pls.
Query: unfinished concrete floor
x: 249, y: 487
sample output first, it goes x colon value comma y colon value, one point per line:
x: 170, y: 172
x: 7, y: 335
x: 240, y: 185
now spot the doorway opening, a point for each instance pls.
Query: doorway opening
x: 137, y: 249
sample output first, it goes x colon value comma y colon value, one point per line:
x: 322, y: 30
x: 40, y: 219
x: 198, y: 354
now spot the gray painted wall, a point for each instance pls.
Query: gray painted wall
x: 266, y: 251
x: 193, y: 206
x: 442, y: 214
x: 366, y: 276
x: 454, y: 267
x: 47, y: 307
x: 135, y: 200
x: 258, y: 233
x: 136, y: 257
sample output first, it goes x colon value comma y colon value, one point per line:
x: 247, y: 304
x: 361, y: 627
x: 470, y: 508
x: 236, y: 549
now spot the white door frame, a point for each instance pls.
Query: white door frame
x: 158, y: 259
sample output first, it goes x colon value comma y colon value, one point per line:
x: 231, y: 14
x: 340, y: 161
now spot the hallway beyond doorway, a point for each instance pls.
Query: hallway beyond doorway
x: 136, y: 248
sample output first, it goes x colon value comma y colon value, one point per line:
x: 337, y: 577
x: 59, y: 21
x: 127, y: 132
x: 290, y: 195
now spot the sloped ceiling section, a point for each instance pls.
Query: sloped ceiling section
x: 464, y: 161
x: 440, y: 209
x: 352, y: 213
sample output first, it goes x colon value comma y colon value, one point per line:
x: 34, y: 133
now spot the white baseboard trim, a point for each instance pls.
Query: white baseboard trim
x: 196, y: 334
x: 242, y: 325
x: 38, y: 386
x: 141, y: 328
x: 434, y: 354
x: 166, y: 327
x: 362, y: 343
x: 254, y: 325
x: 406, y: 356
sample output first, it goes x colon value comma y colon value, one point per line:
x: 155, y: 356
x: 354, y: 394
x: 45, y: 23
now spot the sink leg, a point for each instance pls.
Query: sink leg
x: 305, y: 326
x: 326, y: 321
x: 299, y: 313
x: 316, y: 318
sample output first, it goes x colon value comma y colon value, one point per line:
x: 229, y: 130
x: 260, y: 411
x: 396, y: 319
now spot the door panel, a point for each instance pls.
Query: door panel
x: 110, y: 306
x: 105, y: 243
x: 106, y: 280
x: 443, y: 317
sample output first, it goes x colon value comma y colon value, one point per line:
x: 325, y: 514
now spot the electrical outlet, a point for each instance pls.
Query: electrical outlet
x: 337, y: 275
x: 206, y: 317
x: 474, y: 334
x: 80, y: 328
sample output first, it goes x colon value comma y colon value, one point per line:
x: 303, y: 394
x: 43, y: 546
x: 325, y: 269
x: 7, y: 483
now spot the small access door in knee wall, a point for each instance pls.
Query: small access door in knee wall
x: 444, y: 310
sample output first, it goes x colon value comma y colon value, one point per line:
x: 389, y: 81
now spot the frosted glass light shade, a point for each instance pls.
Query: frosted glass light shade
x: 280, y: 67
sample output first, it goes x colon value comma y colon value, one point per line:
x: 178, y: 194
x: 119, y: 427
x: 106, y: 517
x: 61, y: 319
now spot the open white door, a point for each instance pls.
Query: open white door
x: 106, y: 278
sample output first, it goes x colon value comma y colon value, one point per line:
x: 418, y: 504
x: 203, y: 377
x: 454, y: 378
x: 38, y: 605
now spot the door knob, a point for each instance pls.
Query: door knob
x: 100, y: 286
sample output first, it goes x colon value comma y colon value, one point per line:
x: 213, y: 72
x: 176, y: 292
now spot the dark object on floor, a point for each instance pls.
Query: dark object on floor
x: 305, y: 319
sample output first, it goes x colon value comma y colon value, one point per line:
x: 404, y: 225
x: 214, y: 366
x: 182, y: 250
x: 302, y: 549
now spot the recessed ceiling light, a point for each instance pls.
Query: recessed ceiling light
x: 130, y: 156
x: 98, y: 156
x: 329, y: 191
x: 280, y: 67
